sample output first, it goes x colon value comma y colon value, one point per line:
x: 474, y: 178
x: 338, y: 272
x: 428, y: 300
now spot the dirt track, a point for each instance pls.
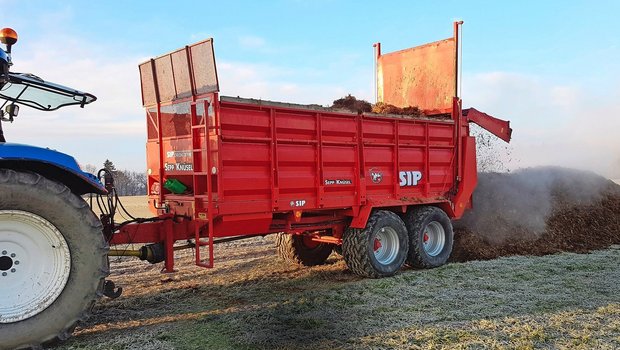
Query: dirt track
x: 252, y: 300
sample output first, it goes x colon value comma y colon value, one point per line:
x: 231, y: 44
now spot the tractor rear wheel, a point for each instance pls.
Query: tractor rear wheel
x: 299, y: 249
x: 378, y: 250
x: 53, y: 260
x: 430, y: 237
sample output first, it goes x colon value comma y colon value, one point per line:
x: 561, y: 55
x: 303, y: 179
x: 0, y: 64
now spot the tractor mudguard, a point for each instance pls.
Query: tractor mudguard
x: 51, y: 164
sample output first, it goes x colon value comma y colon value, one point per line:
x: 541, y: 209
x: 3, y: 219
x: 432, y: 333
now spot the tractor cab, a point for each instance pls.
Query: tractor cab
x: 28, y: 89
x: 21, y: 89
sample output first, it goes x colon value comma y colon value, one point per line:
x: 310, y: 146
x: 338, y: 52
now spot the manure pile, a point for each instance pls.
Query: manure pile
x: 538, y: 211
x: 352, y: 104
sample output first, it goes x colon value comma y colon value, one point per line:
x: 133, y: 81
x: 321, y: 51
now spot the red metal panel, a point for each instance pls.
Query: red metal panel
x: 297, y: 174
x: 497, y: 127
x: 379, y: 161
x: 245, y: 171
x: 411, y: 133
x: 296, y: 126
x: 245, y: 123
x: 379, y: 131
x: 422, y: 76
x: 470, y: 177
x: 441, y: 174
x: 233, y: 225
x: 338, y: 129
x: 412, y: 159
x: 175, y: 120
x: 441, y: 134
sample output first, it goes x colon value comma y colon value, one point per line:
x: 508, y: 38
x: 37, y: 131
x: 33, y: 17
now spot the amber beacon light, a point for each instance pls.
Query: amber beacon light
x: 8, y: 36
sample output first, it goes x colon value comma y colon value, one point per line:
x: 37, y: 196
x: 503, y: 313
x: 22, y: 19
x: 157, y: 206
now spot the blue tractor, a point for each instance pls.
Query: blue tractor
x: 53, y: 253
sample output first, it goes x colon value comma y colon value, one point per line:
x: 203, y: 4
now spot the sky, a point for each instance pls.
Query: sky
x: 550, y: 67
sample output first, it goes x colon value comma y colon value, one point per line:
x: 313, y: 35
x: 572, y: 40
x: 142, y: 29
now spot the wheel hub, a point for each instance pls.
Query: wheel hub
x: 34, y: 265
x: 386, y: 245
x: 5, y: 263
x: 434, y: 239
x: 377, y: 244
x: 8, y: 263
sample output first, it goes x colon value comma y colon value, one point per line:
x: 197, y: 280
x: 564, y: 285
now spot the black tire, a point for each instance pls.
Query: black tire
x: 358, y: 246
x: 418, y: 220
x: 293, y: 249
x: 82, y: 231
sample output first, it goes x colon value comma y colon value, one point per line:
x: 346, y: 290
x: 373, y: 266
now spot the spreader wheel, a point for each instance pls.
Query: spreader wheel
x: 299, y: 249
x: 53, y: 260
x: 430, y: 237
x: 378, y: 250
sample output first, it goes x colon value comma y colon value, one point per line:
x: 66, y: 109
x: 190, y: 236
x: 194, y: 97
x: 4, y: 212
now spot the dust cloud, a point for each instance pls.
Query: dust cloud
x: 517, y: 205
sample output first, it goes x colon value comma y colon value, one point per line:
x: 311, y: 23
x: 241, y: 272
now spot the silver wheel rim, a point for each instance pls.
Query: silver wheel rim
x: 35, y: 263
x: 434, y: 238
x: 386, y: 245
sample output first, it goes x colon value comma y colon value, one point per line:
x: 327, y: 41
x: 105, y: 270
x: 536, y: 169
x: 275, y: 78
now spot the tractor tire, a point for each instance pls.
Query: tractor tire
x: 53, y: 260
x: 378, y: 250
x: 297, y: 249
x: 430, y: 237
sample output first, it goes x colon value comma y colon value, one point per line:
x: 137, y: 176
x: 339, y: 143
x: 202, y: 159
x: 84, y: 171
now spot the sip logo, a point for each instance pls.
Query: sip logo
x: 299, y: 203
x: 409, y: 178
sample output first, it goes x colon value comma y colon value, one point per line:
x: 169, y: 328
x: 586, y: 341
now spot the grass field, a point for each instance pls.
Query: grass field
x: 252, y: 300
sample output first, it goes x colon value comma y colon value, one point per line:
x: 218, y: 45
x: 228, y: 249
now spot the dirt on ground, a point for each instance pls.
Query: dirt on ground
x: 539, y: 211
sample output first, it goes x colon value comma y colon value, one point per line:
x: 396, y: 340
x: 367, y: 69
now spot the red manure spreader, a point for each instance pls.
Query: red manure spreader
x: 380, y: 189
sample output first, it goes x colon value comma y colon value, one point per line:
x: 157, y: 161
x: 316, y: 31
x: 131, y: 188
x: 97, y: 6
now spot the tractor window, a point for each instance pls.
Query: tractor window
x: 32, y: 91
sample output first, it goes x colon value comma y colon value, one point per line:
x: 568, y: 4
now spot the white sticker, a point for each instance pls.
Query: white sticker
x: 409, y: 178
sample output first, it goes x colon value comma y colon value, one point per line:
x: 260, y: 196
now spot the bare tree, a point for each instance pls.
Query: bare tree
x: 127, y: 183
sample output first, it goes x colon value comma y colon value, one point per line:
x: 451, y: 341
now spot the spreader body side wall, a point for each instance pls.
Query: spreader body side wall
x: 276, y: 159
x: 283, y: 159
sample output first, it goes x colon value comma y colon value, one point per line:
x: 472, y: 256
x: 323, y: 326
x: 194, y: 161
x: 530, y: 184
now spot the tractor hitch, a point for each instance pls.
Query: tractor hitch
x: 111, y: 291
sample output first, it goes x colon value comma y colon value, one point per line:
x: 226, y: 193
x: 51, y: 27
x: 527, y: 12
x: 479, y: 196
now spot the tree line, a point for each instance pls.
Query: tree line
x: 127, y: 183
